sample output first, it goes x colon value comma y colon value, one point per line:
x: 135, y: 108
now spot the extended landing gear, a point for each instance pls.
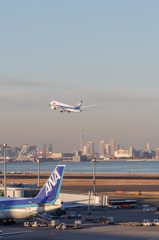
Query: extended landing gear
x: 7, y: 222
x: 59, y: 212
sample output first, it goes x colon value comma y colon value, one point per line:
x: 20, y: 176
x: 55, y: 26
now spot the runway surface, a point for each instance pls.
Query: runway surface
x: 94, y: 231
x: 113, y: 188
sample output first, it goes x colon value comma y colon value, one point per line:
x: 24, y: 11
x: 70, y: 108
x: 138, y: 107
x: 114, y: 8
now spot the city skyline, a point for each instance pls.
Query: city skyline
x: 106, y: 151
x: 100, y: 53
x: 105, y: 148
x: 106, y: 145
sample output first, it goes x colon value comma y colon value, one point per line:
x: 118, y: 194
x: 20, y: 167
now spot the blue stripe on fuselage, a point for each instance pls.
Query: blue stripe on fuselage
x: 71, y: 108
x: 66, y: 107
x: 22, y: 203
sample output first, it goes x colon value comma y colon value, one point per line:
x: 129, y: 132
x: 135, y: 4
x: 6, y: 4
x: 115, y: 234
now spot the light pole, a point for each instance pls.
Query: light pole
x: 94, y: 178
x: 38, y: 162
x: 4, y: 146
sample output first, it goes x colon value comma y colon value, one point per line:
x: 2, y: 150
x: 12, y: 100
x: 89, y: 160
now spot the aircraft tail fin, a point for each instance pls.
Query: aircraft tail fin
x: 51, y: 189
x: 79, y: 105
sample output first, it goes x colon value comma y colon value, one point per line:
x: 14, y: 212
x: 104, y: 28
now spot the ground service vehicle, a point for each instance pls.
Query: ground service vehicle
x: 147, y: 223
x: 74, y: 215
x: 123, y: 204
x: 64, y: 226
x: 156, y: 222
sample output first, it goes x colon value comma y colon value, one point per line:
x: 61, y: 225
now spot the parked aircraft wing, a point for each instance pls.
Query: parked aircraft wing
x: 44, y: 204
x: 41, y: 204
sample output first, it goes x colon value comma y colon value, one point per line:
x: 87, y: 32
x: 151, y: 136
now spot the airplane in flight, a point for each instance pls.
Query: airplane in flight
x: 67, y: 108
x: 46, y: 200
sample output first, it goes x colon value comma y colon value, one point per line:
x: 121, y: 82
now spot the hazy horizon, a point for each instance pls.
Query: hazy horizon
x: 102, y: 52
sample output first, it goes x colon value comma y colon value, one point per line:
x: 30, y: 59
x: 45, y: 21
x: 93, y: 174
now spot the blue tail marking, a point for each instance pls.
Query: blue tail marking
x: 51, y: 189
x: 79, y: 105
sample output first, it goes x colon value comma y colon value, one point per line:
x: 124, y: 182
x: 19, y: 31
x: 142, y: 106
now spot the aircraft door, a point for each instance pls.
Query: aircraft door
x: 29, y: 209
x: 32, y: 210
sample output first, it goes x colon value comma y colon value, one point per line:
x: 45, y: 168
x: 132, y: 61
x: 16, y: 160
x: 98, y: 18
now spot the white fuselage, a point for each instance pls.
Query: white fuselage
x: 8, y: 209
x: 64, y: 107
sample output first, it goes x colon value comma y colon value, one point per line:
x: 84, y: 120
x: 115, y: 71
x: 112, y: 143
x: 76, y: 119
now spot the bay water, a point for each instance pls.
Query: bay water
x: 108, y: 167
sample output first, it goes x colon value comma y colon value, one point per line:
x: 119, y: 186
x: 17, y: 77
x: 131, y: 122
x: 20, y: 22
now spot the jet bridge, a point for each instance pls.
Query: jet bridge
x: 85, y: 199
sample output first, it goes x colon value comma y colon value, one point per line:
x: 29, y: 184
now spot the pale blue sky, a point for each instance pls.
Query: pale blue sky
x: 103, y: 52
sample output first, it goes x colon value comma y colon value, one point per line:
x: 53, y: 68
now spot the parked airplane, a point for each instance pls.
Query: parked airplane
x: 46, y: 200
x: 67, y: 108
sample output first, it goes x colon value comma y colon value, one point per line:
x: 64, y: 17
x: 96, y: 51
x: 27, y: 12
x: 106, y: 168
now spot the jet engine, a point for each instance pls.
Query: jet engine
x: 52, y: 107
x: 58, y: 202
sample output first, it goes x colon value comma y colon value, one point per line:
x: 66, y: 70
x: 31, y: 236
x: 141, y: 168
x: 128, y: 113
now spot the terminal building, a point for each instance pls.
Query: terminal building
x: 132, y: 153
x: 124, y: 153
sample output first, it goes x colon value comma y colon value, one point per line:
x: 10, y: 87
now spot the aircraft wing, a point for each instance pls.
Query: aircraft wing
x: 40, y: 204
x: 65, y: 203
x: 63, y: 107
x: 77, y: 203
x: 43, y: 204
x: 67, y: 206
x: 58, y: 106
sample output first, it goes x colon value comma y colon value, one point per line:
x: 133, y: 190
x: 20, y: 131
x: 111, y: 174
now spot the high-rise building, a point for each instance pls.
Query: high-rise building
x: 9, y: 152
x: 112, y: 147
x: 107, y: 148
x: 131, y: 150
x: 117, y: 147
x: 84, y: 150
x: 14, y: 151
x: 90, y: 148
x: 157, y: 152
x: 148, y: 146
x: 44, y: 147
x: 50, y: 147
x: 101, y: 148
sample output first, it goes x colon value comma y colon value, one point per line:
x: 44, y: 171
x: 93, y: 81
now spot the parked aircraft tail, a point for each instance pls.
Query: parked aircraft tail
x: 51, y: 189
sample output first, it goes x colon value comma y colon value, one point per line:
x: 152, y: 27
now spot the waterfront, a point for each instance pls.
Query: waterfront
x: 102, y: 167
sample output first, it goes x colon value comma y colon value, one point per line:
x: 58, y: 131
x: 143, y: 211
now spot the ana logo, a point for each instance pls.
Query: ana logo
x: 52, y: 181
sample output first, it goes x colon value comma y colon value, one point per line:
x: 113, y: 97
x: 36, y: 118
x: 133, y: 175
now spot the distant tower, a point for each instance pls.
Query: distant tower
x: 81, y: 139
x: 148, y: 146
